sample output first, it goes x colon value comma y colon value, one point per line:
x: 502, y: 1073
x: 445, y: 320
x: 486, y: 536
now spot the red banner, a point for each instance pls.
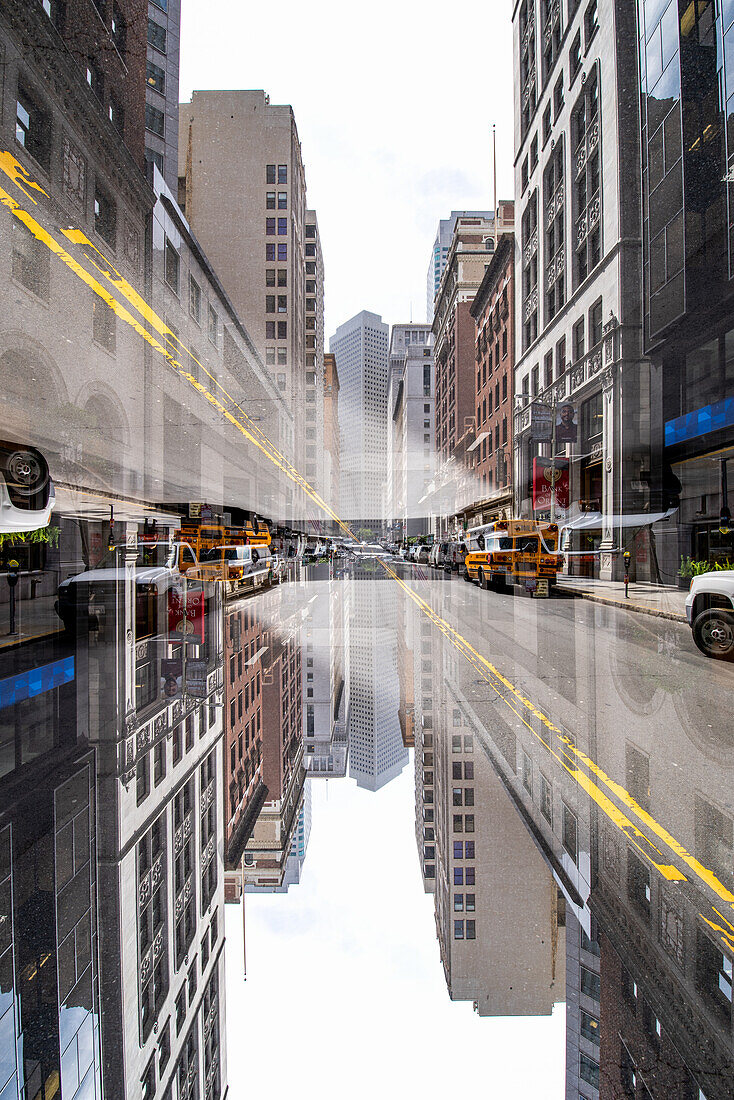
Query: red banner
x: 546, y: 472
x: 194, y: 614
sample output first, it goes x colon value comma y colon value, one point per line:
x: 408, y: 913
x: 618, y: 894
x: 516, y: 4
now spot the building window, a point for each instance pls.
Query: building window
x: 560, y: 356
x: 194, y: 299
x: 530, y: 270
x: 156, y: 36
x: 155, y: 77
x: 595, y: 325
x: 458, y: 929
x: 31, y: 261
x: 213, y: 325
x: 270, y: 303
x: 471, y: 930
x: 172, y: 266
x: 546, y: 799
x: 270, y: 276
x: 283, y: 253
x: 282, y: 303
x: 528, y: 90
x: 282, y: 357
x: 104, y: 216
x: 95, y: 78
x: 282, y: 227
x: 569, y: 832
x: 270, y: 330
x: 32, y: 128
x: 282, y: 276
x: 589, y: 1070
x: 270, y: 252
x: 159, y: 762
x: 270, y: 227
x: 155, y: 120
x: 554, y: 201
x: 590, y: 1028
x: 587, y: 191
x: 282, y: 173
x: 104, y: 328
x: 116, y: 115
x: 270, y: 200
x: 591, y: 21
x: 575, y: 57
x: 142, y: 778
x: 550, y: 15
x: 578, y: 340
x: 283, y: 203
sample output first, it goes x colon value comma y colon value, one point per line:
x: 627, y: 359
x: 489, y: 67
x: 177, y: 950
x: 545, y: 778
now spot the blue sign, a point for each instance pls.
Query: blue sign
x: 710, y: 418
x: 15, y: 689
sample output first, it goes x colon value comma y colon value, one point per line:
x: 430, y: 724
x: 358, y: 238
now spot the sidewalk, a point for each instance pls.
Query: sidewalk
x: 33, y: 619
x: 650, y: 599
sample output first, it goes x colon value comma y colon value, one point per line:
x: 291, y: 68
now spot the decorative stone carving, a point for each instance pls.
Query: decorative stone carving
x: 671, y: 930
x: 75, y: 172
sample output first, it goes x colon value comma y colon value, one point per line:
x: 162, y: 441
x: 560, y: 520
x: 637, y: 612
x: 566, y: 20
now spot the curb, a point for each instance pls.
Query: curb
x: 626, y: 605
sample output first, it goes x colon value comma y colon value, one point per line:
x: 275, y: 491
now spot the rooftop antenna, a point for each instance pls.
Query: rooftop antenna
x: 494, y: 173
x: 411, y: 312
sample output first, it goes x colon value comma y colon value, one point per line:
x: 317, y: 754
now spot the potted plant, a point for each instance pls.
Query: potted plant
x: 685, y: 573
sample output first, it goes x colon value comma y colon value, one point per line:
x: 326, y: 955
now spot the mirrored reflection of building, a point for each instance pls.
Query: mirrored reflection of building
x: 499, y: 920
x: 376, y: 750
x: 326, y: 743
x: 648, y: 950
x: 270, y: 844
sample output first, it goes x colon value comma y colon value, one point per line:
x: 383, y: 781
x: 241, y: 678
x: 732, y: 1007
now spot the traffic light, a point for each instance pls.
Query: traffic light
x: 725, y: 520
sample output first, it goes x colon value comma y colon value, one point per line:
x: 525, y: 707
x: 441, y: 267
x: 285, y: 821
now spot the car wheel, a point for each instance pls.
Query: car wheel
x: 26, y: 474
x: 713, y: 633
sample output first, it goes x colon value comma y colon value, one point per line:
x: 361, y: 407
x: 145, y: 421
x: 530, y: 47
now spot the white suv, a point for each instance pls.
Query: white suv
x: 710, y: 613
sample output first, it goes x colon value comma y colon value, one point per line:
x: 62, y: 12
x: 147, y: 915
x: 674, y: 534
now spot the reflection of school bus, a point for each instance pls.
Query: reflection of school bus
x: 206, y: 536
x: 514, y: 551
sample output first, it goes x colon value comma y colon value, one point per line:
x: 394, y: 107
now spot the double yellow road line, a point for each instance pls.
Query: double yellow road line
x: 592, y: 779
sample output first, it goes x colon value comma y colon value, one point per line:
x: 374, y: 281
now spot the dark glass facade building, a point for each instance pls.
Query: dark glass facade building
x: 686, y: 57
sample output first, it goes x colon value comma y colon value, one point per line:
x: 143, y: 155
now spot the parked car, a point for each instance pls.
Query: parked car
x: 710, y: 613
x: 27, y: 495
x: 456, y: 557
x: 158, y: 565
x: 232, y: 563
x: 424, y: 554
x: 439, y: 551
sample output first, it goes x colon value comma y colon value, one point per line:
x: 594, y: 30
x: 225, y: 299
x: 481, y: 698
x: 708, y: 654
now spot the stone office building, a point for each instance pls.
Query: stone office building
x: 577, y: 197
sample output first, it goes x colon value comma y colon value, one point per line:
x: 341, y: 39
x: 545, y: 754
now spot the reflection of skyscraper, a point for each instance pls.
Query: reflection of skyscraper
x: 376, y: 750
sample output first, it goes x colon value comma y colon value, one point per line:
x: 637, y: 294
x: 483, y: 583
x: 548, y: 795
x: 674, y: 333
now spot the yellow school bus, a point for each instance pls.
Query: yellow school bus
x: 514, y: 551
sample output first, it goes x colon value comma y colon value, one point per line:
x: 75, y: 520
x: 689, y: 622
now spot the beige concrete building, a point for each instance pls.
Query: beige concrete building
x: 314, y: 350
x: 242, y: 183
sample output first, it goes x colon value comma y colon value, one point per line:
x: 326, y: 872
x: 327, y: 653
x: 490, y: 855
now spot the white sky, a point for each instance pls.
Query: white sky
x: 345, y: 992
x: 394, y: 104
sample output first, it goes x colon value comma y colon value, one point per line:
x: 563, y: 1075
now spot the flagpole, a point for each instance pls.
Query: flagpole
x: 494, y: 173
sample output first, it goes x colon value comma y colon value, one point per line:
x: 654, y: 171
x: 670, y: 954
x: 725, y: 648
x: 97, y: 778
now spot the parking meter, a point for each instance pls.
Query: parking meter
x: 13, y: 567
x: 626, y: 556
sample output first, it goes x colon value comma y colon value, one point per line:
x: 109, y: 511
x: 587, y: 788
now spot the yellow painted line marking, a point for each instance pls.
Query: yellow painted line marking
x: 20, y: 177
x: 616, y: 815
x: 726, y: 935
x: 249, y: 429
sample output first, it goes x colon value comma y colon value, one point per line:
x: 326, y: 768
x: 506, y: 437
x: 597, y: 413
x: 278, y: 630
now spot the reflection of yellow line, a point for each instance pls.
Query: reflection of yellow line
x: 251, y: 431
x: 614, y: 814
